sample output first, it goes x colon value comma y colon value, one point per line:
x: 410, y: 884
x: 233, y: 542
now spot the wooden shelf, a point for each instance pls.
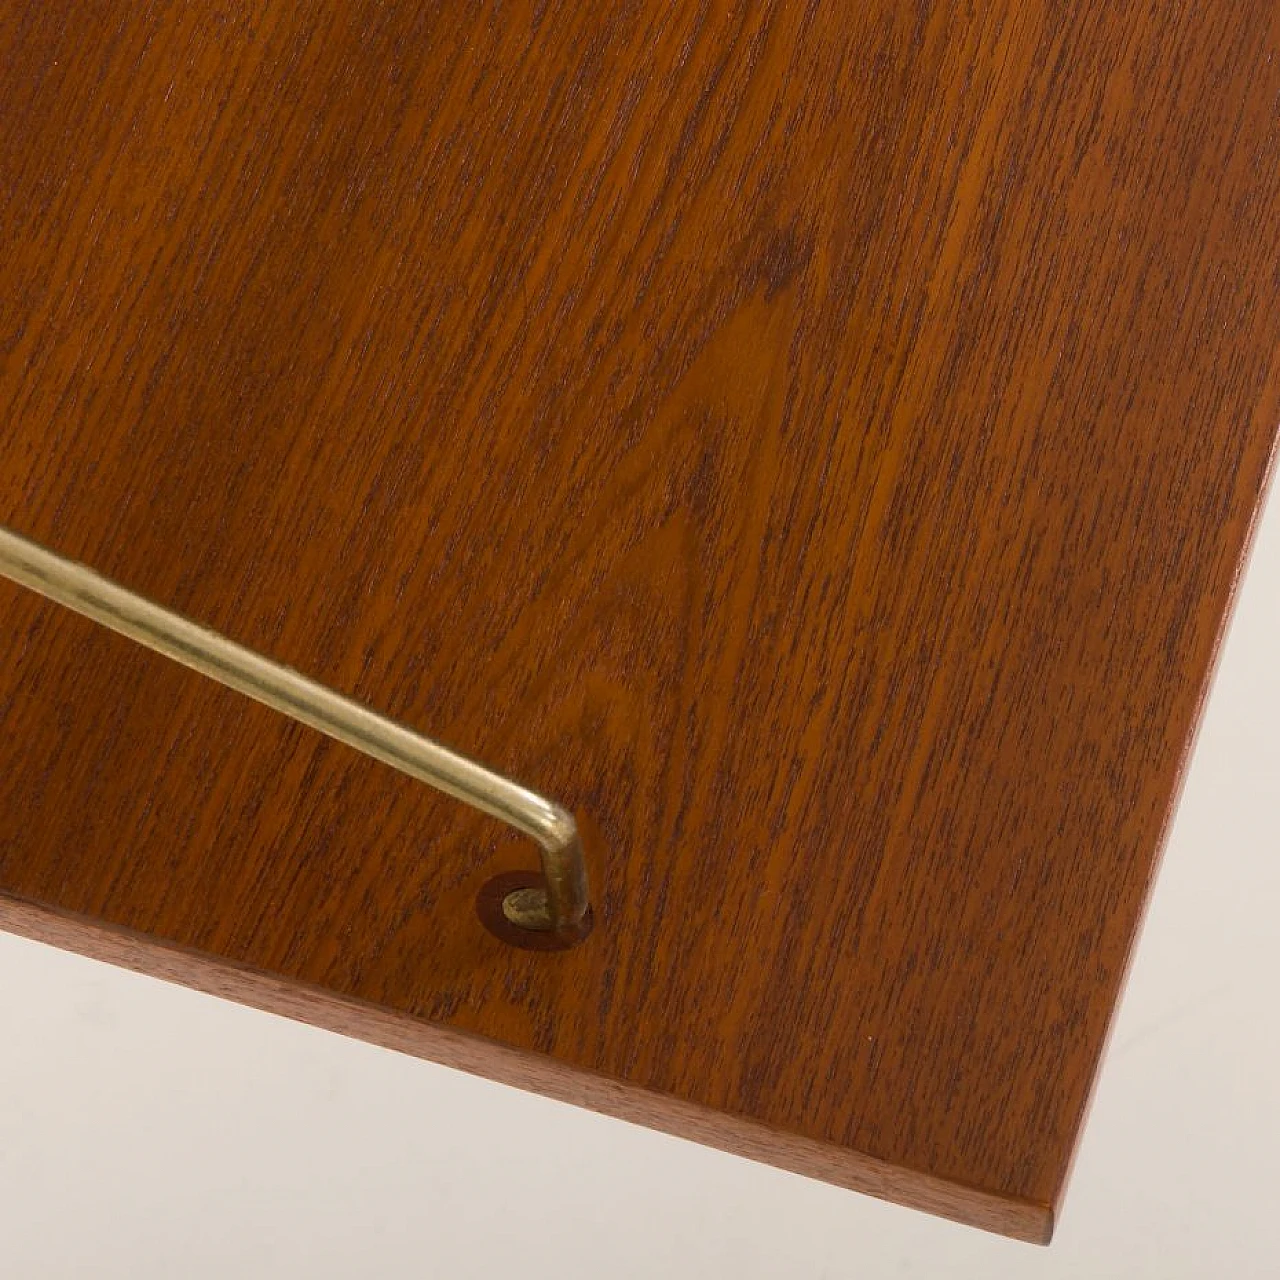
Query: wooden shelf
x: 818, y: 444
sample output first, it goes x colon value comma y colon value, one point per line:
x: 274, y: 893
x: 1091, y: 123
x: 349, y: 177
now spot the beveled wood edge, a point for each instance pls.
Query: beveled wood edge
x: 1007, y: 1216
x: 1186, y: 757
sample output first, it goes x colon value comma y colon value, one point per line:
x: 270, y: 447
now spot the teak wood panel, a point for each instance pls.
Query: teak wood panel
x: 817, y: 442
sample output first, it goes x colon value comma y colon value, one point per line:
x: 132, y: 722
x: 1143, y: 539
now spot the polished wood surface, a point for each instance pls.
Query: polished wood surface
x: 817, y: 443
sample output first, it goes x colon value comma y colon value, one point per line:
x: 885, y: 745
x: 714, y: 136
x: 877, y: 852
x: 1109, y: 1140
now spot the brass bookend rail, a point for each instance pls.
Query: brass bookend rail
x: 559, y: 907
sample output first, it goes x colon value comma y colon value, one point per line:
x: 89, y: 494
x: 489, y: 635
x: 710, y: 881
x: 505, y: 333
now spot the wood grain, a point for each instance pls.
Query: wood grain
x: 819, y: 443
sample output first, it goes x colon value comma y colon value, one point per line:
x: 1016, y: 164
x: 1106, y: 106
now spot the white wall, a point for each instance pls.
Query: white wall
x: 147, y: 1131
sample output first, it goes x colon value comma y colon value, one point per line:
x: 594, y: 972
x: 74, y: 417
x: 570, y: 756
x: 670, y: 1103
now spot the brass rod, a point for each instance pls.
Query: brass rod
x: 552, y: 827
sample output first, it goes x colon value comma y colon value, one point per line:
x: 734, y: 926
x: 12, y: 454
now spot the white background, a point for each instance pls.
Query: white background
x: 147, y: 1131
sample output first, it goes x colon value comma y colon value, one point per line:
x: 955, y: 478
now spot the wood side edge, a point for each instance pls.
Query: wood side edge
x: 1186, y: 756
x: 1018, y: 1219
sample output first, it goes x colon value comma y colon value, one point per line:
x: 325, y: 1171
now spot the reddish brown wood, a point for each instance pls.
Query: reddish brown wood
x: 816, y: 441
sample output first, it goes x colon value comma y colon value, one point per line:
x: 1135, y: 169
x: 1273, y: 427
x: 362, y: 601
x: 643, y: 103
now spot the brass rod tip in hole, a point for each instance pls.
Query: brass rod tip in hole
x: 515, y: 907
x: 528, y: 909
